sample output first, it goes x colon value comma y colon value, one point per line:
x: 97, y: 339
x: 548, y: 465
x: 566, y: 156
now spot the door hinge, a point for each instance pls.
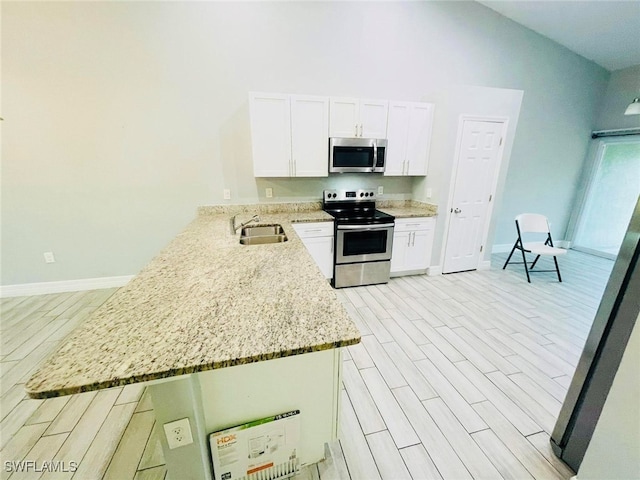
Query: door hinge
x: 490, y: 197
x: 481, y: 247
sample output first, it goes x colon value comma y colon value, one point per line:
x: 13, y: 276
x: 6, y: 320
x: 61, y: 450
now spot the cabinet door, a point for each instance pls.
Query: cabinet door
x: 419, y: 251
x: 399, y: 252
x: 321, y: 250
x: 373, y: 118
x: 343, y: 117
x: 397, y: 131
x: 309, y: 136
x: 270, y: 134
x: 419, y: 138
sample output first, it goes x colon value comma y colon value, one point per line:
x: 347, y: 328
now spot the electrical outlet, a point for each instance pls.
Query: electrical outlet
x: 178, y: 433
x: 269, y: 192
x: 226, y: 194
x: 49, y: 258
x: 429, y: 193
x: 380, y: 190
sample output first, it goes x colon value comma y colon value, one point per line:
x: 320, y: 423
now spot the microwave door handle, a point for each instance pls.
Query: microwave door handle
x: 375, y: 155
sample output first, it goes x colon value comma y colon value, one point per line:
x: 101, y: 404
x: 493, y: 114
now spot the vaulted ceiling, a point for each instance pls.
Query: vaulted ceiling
x: 606, y: 32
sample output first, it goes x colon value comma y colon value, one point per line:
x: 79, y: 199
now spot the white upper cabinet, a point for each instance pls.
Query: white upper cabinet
x: 409, y: 137
x: 343, y: 120
x: 354, y: 117
x: 373, y: 118
x: 289, y: 135
x: 270, y: 134
x: 310, y: 135
x: 397, y: 130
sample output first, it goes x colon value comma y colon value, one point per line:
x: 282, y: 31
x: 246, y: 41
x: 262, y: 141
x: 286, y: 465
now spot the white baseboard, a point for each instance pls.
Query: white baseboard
x: 435, y: 270
x: 25, y: 289
x: 502, y: 248
x: 484, y: 265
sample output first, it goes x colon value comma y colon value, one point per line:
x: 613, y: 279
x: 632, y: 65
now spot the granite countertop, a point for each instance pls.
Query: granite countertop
x: 205, y: 302
x: 407, y: 208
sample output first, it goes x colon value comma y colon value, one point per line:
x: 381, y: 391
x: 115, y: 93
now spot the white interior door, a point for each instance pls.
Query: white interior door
x: 478, y: 155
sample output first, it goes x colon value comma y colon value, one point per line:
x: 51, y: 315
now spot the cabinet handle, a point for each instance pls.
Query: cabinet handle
x: 360, y: 129
x: 356, y: 129
x: 409, y: 240
x: 413, y: 242
x: 313, y: 230
x: 332, y: 245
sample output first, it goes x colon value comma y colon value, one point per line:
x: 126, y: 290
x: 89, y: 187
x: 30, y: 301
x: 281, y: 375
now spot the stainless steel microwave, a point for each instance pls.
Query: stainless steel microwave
x: 347, y: 155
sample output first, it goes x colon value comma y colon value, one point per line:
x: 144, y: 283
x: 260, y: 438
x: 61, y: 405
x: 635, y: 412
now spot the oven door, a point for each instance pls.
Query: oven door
x: 363, y: 243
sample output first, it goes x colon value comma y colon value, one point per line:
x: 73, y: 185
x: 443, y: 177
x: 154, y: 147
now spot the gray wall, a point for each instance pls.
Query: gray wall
x: 122, y: 117
x: 452, y: 104
x: 623, y: 87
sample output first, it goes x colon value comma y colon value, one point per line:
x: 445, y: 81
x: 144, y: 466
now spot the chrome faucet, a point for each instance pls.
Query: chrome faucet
x: 232, y: 223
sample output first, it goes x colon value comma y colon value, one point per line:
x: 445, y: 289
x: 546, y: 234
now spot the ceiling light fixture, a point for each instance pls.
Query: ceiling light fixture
x: 633, y: 108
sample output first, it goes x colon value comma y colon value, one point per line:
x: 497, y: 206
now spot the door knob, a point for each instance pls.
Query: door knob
x: 457, y: 210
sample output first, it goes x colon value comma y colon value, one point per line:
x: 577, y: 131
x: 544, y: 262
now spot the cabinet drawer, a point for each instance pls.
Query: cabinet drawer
x: 414, y: 224
x: 316, y: 229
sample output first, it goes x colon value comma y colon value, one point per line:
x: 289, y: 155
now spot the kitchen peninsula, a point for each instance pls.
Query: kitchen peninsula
x: 224, y: 333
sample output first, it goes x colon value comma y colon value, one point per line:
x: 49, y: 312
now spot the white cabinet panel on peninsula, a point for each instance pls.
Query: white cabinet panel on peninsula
x: 355, y: 117
x: 289, y: 135
x: 409, y: 137
x: 318, y: 238
x: 412, y: 244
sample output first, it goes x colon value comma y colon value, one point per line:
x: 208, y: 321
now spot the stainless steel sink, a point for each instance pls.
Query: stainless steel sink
x: 263, y: 239
x: 261, y: 230
x: 262, y: 234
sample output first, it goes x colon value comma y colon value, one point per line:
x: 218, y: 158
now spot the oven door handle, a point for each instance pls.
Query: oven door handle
x: 365, y: 227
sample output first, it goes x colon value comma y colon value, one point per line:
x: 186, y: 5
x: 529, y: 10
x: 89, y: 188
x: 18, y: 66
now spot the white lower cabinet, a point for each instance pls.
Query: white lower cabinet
x: 412, y: 245
x: 318, y: 239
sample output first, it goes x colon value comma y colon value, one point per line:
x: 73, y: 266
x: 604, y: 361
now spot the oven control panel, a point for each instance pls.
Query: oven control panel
x: 349, y: 195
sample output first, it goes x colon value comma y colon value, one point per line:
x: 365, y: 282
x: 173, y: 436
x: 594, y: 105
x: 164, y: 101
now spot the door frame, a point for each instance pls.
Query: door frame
x: 482, y: 265
x: 595, y: 154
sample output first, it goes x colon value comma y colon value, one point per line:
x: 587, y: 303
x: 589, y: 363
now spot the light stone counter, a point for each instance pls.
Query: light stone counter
x: 407, y: 209
x: 205, y: 302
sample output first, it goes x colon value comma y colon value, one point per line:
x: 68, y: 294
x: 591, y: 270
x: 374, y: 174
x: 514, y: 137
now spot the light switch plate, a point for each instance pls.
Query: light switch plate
x: 380, y: 190
x: 178, y: 433
x: 429, y: 193
x: 226, y: 194
x: 269, y: 192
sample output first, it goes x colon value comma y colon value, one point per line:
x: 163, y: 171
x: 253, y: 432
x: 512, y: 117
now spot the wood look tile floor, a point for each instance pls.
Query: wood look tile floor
x: 457, y: 376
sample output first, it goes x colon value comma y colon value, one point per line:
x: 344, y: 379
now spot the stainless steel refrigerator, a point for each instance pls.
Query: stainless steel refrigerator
x: 605, y: 345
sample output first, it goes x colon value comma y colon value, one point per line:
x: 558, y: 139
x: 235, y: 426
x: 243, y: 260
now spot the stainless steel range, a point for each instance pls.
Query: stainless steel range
x: 363, y: 238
